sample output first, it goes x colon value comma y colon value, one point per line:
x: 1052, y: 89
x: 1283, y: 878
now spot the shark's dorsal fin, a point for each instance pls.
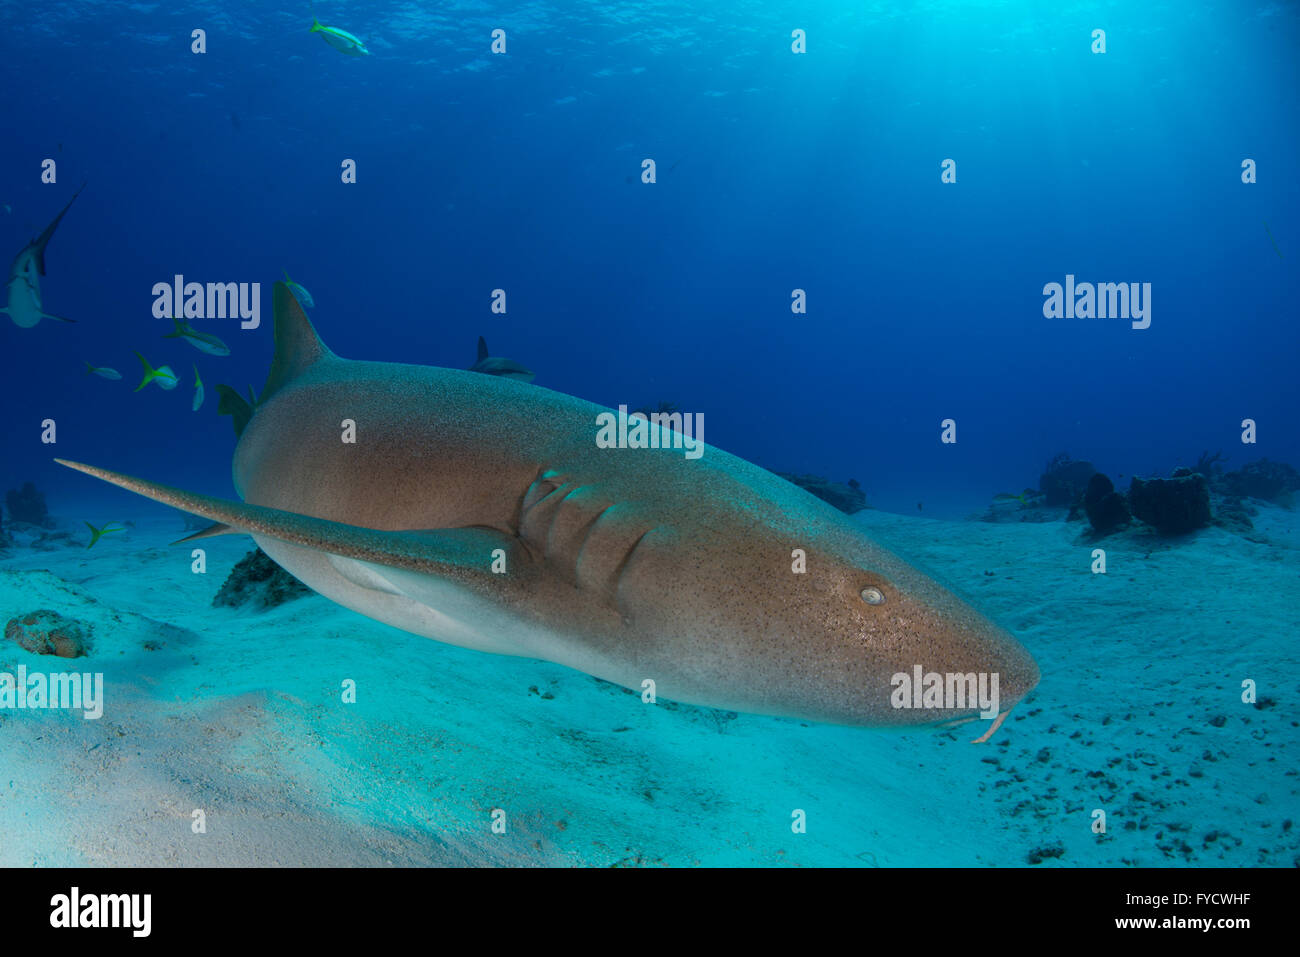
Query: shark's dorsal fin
x: 43, y: 240
x: 297, y: 347
x: 482, y: 350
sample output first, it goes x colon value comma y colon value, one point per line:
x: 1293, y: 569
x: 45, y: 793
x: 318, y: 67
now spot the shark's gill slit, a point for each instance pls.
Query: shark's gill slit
x: 542, y: 486
x: 568, y: 521
x: 626, y: 563
x: 582, y: 547
x: 548, y: 498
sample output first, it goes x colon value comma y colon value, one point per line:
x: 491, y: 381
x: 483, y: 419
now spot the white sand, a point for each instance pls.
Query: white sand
x: 239, y: 714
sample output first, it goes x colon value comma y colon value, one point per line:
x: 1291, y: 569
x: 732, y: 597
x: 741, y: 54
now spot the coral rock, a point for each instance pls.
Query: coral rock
x: 1064, y: 480
x: 847, y: 498
x: 1270, y: 481
x: 1106, y: 508
x: 1173, y: 506
x: 46, y: 632
x: 258, y: 581
x: 28, y: 505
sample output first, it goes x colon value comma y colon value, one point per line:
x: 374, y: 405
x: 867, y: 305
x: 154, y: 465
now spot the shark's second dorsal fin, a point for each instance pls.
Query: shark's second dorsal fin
x: 297, y: 347
x: 236, y: 406
x: 482, y: 349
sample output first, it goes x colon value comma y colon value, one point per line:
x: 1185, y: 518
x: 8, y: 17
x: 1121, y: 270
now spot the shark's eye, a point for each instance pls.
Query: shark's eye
x: 873, y: 596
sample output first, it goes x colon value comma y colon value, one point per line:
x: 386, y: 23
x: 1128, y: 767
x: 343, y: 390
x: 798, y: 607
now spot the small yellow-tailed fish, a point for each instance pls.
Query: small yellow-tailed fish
x: 97, y: 533
x: 203, y: 341
x: 104, y: 372
x: 340, y: 40
x: 163, y: 375
x: 302, y: 295
x: 198, y: 391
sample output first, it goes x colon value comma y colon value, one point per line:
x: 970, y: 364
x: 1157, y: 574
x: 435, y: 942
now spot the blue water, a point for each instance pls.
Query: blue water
x: 819, y: 171
x: 775, y: 171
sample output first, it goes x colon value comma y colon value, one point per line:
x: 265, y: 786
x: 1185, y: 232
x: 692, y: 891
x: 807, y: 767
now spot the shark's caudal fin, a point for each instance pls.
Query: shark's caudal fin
x: 297, y: 347
x: 43, y: 240
x: 461, y: 553
x: 482, y: 350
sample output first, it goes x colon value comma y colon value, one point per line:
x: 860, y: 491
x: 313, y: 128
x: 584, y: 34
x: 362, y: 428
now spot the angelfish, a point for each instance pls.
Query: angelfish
x: 24, y: 285
x: 479, y: 511
x: 203, y: 341
x: 340, y: 40
x: 163, y: 375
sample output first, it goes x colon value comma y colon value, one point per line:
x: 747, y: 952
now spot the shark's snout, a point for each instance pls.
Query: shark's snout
x: 950, y: 664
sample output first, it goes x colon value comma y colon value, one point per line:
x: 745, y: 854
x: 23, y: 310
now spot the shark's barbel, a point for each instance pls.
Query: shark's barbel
x: 479, y: 511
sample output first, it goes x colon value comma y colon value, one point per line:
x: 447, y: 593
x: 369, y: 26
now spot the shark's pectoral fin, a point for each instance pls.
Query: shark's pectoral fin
x: 47, y: 315
x: 473, y: 549
x: 467, y: 556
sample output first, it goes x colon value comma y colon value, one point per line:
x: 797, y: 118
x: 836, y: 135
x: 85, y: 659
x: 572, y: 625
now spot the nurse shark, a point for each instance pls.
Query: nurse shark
x: 480, y: 511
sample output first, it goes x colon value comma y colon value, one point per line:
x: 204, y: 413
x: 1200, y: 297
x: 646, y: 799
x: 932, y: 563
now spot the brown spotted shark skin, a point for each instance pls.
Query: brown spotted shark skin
x: 627, y: 564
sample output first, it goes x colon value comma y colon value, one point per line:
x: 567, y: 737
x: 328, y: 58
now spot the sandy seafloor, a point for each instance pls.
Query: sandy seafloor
x: 239, y: 713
